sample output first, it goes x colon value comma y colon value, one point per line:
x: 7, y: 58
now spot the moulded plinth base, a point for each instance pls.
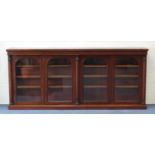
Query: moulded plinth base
x: 81, y: 106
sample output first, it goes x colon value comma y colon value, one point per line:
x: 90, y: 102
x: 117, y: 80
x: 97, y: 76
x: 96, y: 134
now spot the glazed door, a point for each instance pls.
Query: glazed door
x: 127, y: 79
x: 28, y: 79
x: 59, y: 82
x: 94, y: 80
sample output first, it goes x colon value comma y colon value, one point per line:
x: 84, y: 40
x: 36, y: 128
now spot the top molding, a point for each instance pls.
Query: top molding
x: 141, y: 51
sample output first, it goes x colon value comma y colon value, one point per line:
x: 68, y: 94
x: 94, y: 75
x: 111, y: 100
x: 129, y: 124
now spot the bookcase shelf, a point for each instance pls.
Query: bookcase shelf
x: 25, y: 77
x: 126, y: 76
x: 59, y: 76
x: 27, y: 66
x: 77, y: 78
x: 58, y: 66
x: 128, y: 66
x: 127, y: 86
x: 60, y: 86
x: 95, y: 66
x: 27, y: 87
x: 94, y: 76
x: 94, y: 86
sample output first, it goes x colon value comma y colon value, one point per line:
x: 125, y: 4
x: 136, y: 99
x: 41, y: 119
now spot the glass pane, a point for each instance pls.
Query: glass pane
x: 59, y: 80
x: 126, y: 94
x: 95, y: 71
x: 126, y: 80
x: 27, y: 62
x: 28, y: 80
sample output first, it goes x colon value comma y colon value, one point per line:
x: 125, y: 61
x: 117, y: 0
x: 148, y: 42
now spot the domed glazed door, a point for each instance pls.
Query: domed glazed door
x: 127, y: 79
x: 60, y: 77
x: 28, y: 80
x: 94, y: 80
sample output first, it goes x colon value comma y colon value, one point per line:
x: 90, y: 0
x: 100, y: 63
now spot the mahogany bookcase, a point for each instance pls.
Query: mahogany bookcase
x: 77, y: 78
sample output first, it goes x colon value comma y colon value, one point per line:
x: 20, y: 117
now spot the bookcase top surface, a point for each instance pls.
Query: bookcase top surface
x: 93, y: 51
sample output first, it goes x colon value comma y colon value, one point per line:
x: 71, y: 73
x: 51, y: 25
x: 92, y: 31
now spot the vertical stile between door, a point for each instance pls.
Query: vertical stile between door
x: 81, y: 96
x: 77, y: 79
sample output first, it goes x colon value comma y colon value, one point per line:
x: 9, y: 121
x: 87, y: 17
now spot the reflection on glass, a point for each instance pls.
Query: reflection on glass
x: 95, y: 71
x: 126, y: 80
x: 59, y: 80
x: 28, y: 80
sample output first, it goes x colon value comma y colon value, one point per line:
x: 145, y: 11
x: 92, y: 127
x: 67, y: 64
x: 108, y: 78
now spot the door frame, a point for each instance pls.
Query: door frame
x: 109, y: 90
x: 16, y: 58
x: 73, y: 67
x: 140, y: 73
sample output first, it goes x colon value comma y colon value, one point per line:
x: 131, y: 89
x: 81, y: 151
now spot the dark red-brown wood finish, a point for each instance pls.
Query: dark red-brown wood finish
x: 77, y: 78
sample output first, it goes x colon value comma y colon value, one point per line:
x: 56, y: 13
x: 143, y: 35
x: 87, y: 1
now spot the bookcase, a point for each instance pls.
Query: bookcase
x: 77, y: 78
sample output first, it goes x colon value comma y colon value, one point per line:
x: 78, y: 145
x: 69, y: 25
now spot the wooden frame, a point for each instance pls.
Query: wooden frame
x: 72, y: 60
x: 76, y: 56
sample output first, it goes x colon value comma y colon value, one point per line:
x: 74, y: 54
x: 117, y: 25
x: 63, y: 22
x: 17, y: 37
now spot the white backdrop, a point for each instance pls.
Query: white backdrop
x: 4, y: 86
